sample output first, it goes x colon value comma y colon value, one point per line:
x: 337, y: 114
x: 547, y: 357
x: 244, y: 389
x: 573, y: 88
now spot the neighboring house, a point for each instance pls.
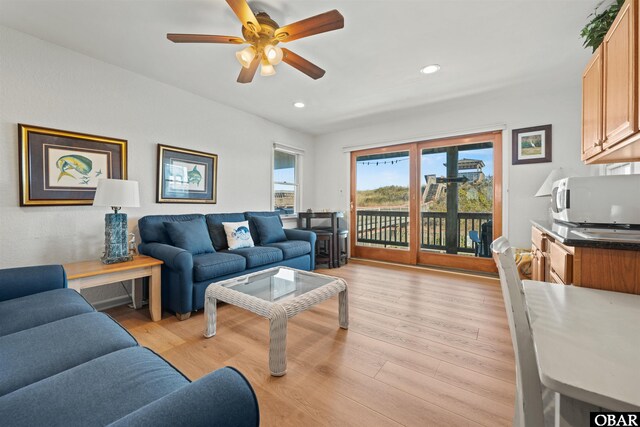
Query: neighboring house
x: 433, y: 189
x: 470, y: 169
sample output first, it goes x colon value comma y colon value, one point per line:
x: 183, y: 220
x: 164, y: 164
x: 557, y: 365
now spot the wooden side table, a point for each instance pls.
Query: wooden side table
x: 87, y: 274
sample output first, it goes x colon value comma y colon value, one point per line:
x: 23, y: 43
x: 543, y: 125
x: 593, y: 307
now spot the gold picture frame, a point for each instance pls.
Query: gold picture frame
x: 186, y: 176
x: 61, y: 168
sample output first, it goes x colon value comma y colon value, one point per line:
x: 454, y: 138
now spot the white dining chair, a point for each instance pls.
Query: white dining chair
x: 534, y: 403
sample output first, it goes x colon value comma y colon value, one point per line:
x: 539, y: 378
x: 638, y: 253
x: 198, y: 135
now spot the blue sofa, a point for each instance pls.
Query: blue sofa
x: 185, y: 276
x: 64, y: 364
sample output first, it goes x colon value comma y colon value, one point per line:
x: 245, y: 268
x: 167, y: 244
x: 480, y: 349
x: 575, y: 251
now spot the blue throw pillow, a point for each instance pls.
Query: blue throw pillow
x: 192, y: 236
x: 269, y: 229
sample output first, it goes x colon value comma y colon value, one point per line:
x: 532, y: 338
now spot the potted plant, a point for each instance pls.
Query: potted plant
x: 593, y: 33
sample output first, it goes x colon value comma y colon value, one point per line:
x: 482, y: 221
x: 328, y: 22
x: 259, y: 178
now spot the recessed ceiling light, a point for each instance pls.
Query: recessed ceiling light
x: 430, y: 69
x: 298, y: 104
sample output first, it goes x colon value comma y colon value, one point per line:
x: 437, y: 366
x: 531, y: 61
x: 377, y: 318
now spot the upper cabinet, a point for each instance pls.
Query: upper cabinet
x: 610, y: 104
x: 592, y: 107
x: 619, y: 77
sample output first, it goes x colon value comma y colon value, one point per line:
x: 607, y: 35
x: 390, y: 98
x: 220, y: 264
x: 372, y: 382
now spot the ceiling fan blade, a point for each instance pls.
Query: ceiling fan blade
x: 246, y: 74
x: 301, y: 64
x: 244, y: 14
x: 322, y: 23
x: 203, y: 38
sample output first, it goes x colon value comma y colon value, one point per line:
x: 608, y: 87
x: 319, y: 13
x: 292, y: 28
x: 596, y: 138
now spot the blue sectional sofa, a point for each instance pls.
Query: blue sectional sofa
x: 64, y: 364
x: 186, y: 275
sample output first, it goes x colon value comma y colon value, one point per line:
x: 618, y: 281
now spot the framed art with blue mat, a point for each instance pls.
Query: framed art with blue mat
x: 186, y: 176
x: 59, y: 167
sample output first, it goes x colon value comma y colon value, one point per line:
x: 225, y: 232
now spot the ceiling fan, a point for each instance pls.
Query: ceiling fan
x: 263, y: 35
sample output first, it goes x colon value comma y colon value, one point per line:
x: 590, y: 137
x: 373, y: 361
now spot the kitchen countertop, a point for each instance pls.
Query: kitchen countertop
x: 566, y: 234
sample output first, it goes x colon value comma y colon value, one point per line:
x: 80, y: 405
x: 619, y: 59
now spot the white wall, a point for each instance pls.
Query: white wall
x: 47, y: 85
x: 44, y: 84
x: 553, y: 101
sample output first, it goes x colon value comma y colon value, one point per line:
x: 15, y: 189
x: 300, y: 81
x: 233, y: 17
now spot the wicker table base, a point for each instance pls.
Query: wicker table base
x: 278, y: 313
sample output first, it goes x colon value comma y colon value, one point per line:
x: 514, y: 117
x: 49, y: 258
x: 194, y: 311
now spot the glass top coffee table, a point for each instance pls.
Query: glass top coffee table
x: 278, y: 294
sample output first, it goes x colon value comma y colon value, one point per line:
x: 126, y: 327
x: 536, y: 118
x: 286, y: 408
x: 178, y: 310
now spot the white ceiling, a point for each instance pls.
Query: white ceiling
x: 372, y: 64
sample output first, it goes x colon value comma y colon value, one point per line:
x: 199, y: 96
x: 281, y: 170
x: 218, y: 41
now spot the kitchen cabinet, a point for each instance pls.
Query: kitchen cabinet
x: 592, y: 107
x: 537, y: 265
x: 587, y: 266
x: 619, y: 66
x: 561, y: 262
x: 538, y: 260
x: 610, y: 104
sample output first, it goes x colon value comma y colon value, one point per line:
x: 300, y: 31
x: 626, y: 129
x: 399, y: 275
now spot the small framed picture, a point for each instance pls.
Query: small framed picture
x: 531, y: 145
x: 186, y: 176
x: 59, y: 167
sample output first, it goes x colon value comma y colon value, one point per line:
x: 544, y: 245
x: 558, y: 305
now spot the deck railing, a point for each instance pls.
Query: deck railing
x: 434, y: 225
x: 391, y: 228
x: 388, y: 228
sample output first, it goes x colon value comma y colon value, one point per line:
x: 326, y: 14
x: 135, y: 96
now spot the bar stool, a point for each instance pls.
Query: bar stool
x: 324, y: 247
x: 343, y: 246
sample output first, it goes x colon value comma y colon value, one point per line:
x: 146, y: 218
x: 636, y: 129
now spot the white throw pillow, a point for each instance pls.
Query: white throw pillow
x: 238, y: 235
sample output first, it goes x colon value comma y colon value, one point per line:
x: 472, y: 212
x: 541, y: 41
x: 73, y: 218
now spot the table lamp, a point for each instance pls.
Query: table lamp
x: 547, y: 186
x: 546, y: 189
x: 116, y: 193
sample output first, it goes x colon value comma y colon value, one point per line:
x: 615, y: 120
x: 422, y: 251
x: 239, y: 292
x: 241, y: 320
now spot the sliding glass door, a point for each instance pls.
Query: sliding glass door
x: 381, y: 203
x: 461, y: 201
x: 434, y: 202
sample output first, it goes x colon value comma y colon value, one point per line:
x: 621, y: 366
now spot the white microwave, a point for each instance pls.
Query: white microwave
x: 597, y: 199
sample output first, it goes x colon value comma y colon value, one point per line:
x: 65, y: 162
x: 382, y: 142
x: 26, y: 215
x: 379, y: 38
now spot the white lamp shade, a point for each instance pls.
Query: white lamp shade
x: 267, y: 69
x: 117, y: 192
x: 246, y: 56
x: 547, y: 186
x: 273, y: 54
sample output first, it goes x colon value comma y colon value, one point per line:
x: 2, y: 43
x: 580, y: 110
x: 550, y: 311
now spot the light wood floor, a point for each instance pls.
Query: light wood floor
x: 424, y: 348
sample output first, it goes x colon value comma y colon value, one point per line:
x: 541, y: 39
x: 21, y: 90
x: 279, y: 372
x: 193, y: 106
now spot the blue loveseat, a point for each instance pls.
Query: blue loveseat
x: 64, y: 364
x: 185, y: 275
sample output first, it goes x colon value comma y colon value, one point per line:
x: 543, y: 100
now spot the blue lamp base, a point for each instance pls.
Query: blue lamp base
x: 116, y: 247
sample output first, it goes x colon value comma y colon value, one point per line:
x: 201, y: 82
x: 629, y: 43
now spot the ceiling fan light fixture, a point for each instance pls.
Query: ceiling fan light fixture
x: 273, y: 54
x: 262, y: 34
x: 246, y: 55
x: 267, y: 69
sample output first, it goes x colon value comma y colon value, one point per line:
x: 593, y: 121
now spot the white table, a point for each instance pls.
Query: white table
x: 587, y: 345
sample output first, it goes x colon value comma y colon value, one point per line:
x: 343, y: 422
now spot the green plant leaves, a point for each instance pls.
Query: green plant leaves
x: 593, y: 33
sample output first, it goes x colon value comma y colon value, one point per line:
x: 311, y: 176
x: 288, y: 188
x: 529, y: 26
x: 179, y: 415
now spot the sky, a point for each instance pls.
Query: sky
x: 371, y: 176
x: 287, y: 175
x: 284, y: 175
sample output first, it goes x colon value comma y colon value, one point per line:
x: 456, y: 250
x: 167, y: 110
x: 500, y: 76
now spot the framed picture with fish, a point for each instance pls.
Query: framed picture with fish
x: 186, y: 176
x: 59, y: 167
